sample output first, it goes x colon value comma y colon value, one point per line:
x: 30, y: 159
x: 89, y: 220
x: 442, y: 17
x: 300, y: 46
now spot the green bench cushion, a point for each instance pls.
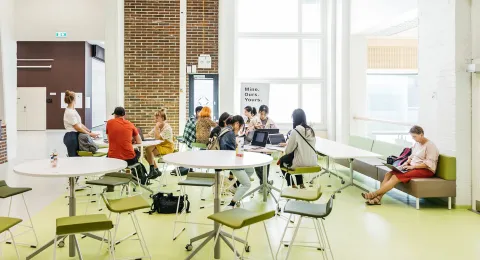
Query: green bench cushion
x: 83, y: 224
x: 7, y: 192
x: 126, y: 204
x: 386, y: 149
x: 238, y: 218
x: 446, y: 168
x: 360, y: 142
x: 6, y: 223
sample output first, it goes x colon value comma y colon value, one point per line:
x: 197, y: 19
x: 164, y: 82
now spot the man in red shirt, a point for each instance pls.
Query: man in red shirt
x: 120, y: 133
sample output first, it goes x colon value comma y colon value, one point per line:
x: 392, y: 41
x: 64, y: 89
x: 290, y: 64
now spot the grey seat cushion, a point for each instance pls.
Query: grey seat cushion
x: 365, y: 168
x: 306, y: 209
x: 343, y: 162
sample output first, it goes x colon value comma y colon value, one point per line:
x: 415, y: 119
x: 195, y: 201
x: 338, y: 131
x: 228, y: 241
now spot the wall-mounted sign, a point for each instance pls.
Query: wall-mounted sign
x: 61, y: 34
x: 204, y: 61
x: 254, y: 94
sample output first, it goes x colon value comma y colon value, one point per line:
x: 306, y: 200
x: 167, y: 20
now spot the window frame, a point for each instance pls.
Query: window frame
x: 300, y: 80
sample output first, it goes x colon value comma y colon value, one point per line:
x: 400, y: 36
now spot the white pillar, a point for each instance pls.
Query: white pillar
x: 331, y: 68
x: 114, y: 63
x: 183, y: 67
x: 475, y: 103
x: 358, y: 83
x: 343, y: 89
x: 8, y: 74
x: 226, y: 58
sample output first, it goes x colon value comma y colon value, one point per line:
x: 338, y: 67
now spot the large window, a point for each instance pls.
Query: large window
x: 282, y: 42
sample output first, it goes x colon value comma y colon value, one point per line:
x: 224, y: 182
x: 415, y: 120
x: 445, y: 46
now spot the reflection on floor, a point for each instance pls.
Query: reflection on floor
x: 393, y: 230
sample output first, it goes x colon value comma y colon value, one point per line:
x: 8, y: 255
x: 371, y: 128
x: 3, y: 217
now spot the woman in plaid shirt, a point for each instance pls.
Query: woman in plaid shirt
x: 190, y: 132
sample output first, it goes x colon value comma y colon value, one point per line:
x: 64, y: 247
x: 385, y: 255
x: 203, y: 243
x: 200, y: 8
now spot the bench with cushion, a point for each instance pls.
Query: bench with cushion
x: 442, y: 185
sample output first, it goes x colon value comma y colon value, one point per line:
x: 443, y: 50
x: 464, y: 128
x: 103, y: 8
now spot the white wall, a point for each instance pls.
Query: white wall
x: 8, y: 74
x: 475, y: 103
x: 226, y: 61
x: 38, y: 20
x: 358, y: 82
x: 445, y: 104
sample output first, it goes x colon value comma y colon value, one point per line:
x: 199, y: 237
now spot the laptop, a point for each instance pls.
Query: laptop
x: 395, y: 168
x: 270, y: 131
x: 259, y: 140
x: 142, y: 136
x: 276, y: 139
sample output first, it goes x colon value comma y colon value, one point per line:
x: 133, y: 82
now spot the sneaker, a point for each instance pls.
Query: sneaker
x: 154, y: 174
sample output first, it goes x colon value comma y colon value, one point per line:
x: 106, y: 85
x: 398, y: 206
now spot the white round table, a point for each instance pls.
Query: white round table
x: 218, y: 160
x: 69, y: 167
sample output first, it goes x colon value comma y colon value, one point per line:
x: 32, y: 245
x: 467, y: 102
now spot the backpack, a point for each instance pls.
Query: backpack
x: 139, y: 170
x: 166, y: 203
x: 214, y: 142
x: 401, y: 159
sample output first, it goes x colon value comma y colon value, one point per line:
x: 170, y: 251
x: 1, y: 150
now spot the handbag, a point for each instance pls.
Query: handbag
x: 319, y: 154
x: 166, y: 203
x: 401, y: 159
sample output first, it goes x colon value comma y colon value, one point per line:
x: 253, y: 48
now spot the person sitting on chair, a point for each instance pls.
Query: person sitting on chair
x: 120, y: 133
x: 190, y: 132
x: 421, y: 164
x: 300, y: 150
x: 161, y: 131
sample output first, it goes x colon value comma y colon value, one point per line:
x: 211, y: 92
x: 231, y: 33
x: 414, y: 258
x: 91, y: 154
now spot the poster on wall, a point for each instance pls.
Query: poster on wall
x: 254, y: 95
x: 78, y: 100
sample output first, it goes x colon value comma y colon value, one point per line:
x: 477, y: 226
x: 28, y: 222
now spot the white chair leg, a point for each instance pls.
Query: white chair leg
x: 182, y: 192
x: 326, y: 237
x: 320, y: 238
x: 14, y: 244
x: 449, y: 202
x: 234, y: 247
x: 141, y: 237
x: 246, y: 244
x: 290, y: 246
x: 283, y: 236
x: 417, y: 200
x: 31, y: 222
x: 137, y: 232
x: 268, y: 239
x: 55, y: 248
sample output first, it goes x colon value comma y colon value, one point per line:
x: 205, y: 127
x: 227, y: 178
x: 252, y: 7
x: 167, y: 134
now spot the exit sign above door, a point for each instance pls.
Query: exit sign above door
x: 61, y: 34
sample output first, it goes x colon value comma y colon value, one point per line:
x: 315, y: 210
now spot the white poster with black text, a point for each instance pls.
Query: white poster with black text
x: 254, y: 94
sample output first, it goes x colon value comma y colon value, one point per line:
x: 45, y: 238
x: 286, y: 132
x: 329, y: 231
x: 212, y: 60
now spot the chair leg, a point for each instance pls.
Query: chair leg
x: 234, y: 247
x: 246, y: 242
x: 31, y: 222
x: 182, y: 192
x: 417, y: 200
x: 283, y: 235
x: 216, y: 238
x: 290, y: 246
x: 449, y: 202
x: 14, y: 245
x: 54, y: 248
x: 320, y: 238
x: 326, y: 237
x: 78, y: 248
x: 140, y: 233
x: 268, y: 239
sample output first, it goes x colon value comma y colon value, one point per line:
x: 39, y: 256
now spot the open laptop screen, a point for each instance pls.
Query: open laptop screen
x: 260, y: 138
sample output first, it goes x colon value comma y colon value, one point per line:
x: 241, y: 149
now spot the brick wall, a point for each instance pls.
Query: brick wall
x: 202, y: 34
x: 152, y: 46
x: 3, y: 145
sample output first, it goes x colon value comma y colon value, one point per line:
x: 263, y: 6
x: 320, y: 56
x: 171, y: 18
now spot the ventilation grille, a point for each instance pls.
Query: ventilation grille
x: 392, y: 57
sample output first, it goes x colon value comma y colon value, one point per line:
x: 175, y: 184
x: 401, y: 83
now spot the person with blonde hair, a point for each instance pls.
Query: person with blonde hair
x: 161, y: 131
x: 73, y: 124
x: 204, y: 125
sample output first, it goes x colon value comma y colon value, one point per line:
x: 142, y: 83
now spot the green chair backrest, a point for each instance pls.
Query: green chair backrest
x: 447, y: 167
x: 199, y: 145
x: 3, y: 183
x: 360, y: 142
x: 386, y: 149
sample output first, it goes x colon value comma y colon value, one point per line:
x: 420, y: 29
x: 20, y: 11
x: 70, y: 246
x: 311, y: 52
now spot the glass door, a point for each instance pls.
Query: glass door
x: 203, y: 91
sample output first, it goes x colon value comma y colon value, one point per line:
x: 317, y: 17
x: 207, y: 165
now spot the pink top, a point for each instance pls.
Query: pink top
x: 425, y: 153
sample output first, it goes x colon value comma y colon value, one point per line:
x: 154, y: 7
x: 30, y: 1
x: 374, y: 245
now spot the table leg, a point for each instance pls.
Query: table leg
x: 72, y: 208
x: 265, y: 183
x: 216, y: 209
x: 141, y: 154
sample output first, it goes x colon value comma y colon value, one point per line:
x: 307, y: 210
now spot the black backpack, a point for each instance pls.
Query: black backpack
x: 166, y: 203
x: 139, y: 170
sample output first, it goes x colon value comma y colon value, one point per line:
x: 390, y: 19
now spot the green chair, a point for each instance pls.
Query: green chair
x: 5, y: 224
x: 194, y: 179
x: 90, y: 154
x: 302, y: 194
x: 110, y: 181
x: 239, y: 218
x: 198, y: 146
x: 128, y: 205
x: 10, y: 192
x: 317, y: 212
x: 83, y: 224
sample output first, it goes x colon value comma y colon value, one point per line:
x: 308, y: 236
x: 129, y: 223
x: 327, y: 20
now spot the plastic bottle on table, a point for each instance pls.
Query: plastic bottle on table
x: 240, y: 149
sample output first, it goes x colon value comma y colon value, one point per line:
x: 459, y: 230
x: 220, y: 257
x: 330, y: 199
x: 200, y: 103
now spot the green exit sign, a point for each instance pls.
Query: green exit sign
x: 61, y: 34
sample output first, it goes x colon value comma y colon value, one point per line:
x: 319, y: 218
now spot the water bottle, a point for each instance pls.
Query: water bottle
x: 240, y: 149
x: 54, y: 158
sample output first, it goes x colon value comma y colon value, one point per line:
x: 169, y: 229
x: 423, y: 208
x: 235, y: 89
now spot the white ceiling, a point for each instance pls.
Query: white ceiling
x: 371, y: 16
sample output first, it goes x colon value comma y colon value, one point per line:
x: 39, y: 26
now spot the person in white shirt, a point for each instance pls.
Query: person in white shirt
x: 73, y: 124
x: 300, y: 148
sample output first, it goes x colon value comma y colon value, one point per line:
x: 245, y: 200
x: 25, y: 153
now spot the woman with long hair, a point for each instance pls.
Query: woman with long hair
x: 204, y: 125
x: 161, y: 131
x: 253, y: 122
x: 300, y: 148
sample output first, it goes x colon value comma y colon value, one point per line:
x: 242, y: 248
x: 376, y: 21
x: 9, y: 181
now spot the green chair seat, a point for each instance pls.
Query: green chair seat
x: 238, y: 218
x: 90, y: 154
x: 301, y: 194
x: 109, y: 181
x: 126, y: 204
x: 199, y: 145
x: 199, y: 179
x: 306, y: 209
x: 83, y: 224
x: 6, y: 191
x: 303, y: 170
x: 6, y: 223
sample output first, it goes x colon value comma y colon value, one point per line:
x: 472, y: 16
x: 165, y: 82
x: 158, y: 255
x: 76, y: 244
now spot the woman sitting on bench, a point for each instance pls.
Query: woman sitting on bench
x: 421, y: 164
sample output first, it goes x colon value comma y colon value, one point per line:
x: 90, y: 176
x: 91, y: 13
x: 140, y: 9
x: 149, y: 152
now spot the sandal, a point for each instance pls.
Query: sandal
x: 369, y: 195
x: 373, y: 202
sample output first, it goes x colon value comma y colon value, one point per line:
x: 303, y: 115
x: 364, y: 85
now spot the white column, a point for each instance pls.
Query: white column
x: 8, y: 74
x: 343, y: 75
x: 183, y: 67
x: 226, y: 58
x: 114, y: 63
x: 331, y: 68
x: 475, y: 103
x: 358, y: 83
